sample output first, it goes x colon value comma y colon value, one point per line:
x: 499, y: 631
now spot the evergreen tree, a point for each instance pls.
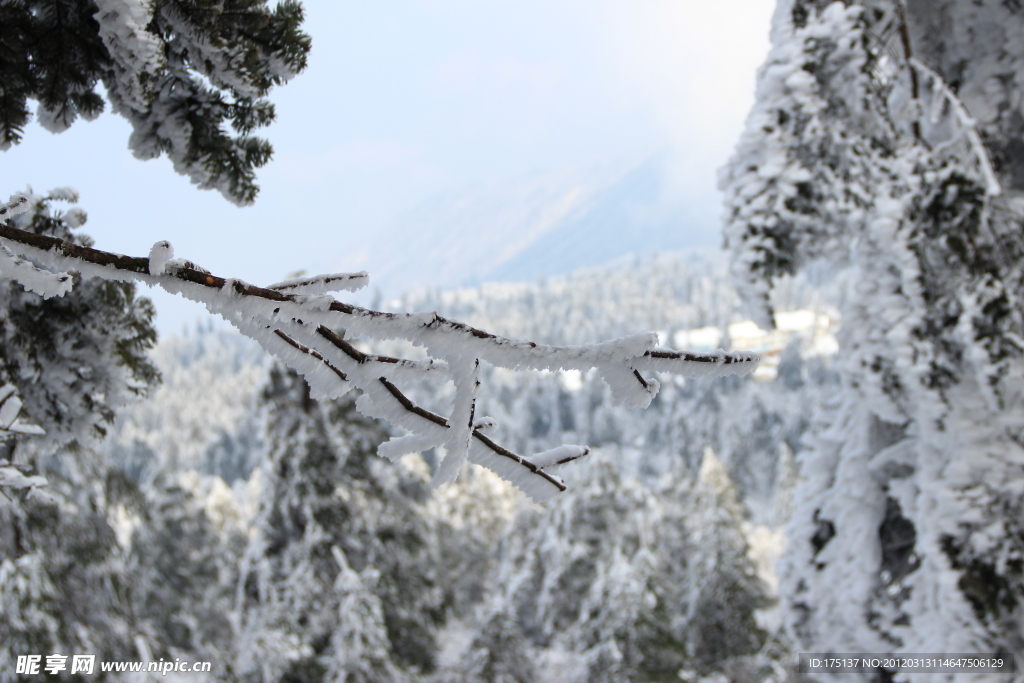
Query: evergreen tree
x: 632, y: 581
x: 879, y: 144
x: 74, y: 360
x: 725, y: 591
x: 470, y: 516
x: 77, y: 358
x: 184, y: 570
x: 178, y: 70
x: 63, y: 584
x: 359, y: 648
x: 499, y: 653
x: 328, y: 497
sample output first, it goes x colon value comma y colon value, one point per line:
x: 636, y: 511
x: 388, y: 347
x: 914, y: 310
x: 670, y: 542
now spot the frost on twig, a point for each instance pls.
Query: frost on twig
x: 34, y: 279
x: 16, y: 477
x: 295, y: 321
x: 321, y: 284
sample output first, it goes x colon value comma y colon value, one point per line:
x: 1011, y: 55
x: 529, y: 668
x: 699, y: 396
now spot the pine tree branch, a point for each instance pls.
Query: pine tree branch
x: 297, y: 329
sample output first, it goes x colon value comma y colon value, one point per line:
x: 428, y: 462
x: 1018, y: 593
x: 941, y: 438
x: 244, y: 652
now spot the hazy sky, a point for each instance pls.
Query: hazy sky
x: 407, y: 99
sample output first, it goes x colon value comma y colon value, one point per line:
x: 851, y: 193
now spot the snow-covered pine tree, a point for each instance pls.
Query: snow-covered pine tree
x: 77, y: 357
x: 178, y: 70
x: 499, y: 653
x: 184, y: 570
x: 619, y: 581
x: 326, y: 496
x: 882, y: 142
x: 64, y: 588
x: 74, y: 360
x: 359, y: 650
x: 201, y: 416
x: 725, y: 591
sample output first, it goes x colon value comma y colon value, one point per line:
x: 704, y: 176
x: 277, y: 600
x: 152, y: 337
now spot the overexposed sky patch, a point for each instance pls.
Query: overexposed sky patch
x: 692, y: 65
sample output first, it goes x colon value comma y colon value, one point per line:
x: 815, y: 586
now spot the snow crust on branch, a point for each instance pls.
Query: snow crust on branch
x: 42, y: 282
x: 321, y: 284
x: 10, y: 415
x: 298, y: 329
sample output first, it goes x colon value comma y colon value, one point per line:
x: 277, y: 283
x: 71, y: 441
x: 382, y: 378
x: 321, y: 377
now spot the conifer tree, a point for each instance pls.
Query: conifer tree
x: 184, y: 570
x: 499, y: 653
x: 628, y: 579
x: 879, y: 144
x: 63, y: 585
x: 78, y: 357
x: 74, y: 361
x: 327, y: 497
x: 725, y: 591
x: 359, y: 650
x: 178, y: 70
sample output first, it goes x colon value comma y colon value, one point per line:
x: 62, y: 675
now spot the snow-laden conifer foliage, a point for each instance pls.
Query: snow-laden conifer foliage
x: 671, y: 590
x: 69, y: 360
x: 180, y: 71
x: 300, y: 329
x: 882, y: 142
x: 77, y: 355
x: 63, y: 580
x: 342, y: 579
x: 201, y: 416
x: 182, y: 570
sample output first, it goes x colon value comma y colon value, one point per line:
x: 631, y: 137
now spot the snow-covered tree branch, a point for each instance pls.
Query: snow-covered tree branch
x: 299, y: 329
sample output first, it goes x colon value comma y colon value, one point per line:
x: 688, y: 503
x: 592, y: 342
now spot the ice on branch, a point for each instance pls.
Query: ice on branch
x: 34, y: 279
x: 17, y: 204
x: 159, y: 256
x: 42, y: 282
x: 321, y: 284
x: 551, y: 460
x: 296, y: 322
x: 944, y: 96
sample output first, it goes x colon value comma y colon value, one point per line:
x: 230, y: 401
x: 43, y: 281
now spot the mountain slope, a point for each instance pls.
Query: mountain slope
x: 547, y: 224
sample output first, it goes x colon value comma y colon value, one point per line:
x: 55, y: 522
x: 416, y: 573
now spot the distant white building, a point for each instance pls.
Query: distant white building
x: 816, y: 330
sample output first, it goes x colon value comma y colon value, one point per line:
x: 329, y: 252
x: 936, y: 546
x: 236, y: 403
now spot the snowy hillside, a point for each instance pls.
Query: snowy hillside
x: 547, y: 224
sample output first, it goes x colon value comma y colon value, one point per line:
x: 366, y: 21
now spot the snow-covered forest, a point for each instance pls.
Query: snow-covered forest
x: 337, y: 493
x: 659, y: 558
